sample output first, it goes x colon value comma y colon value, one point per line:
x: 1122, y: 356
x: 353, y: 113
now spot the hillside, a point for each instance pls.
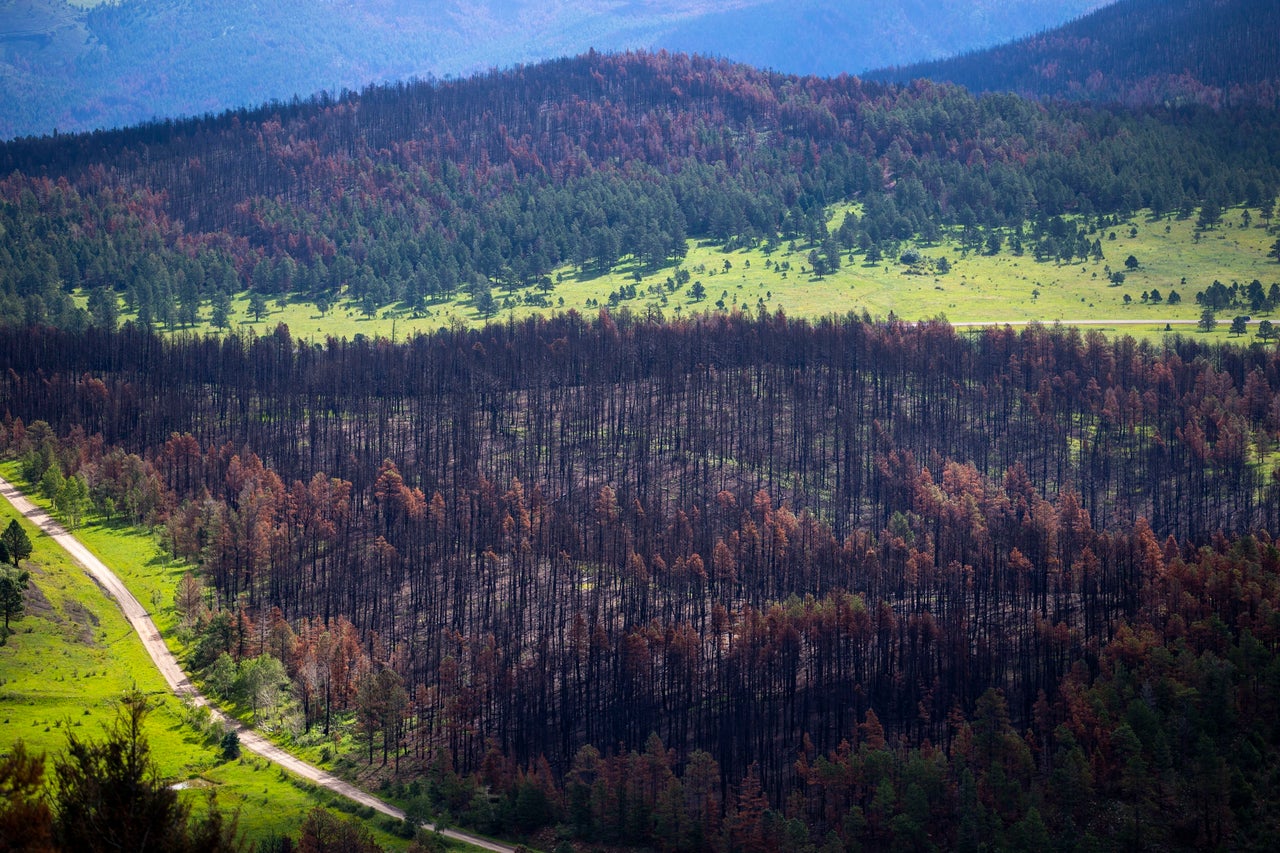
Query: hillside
x: 497, y: 185
x: 1212, y: 52
x: 721, y: 583
x: 67, y: 68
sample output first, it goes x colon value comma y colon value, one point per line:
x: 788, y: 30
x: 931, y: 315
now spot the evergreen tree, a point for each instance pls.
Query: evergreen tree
x: 15, y: 542
x: 13, y: 588
x: 108, y: 795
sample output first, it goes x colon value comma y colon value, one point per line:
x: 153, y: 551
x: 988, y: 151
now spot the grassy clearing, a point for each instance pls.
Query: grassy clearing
x: 978, y: 289
x: 73, y: 655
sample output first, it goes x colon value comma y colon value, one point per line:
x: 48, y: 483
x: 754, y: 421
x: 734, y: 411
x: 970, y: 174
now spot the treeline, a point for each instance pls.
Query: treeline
x: 1213, y: 52
x: 413, y: 193
x: 745, y: 537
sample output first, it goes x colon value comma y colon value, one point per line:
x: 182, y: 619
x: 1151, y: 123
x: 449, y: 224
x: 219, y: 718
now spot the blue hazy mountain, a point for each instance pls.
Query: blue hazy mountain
x: 1213, y: 52
x: 822, y: 37
x: 70, y: 68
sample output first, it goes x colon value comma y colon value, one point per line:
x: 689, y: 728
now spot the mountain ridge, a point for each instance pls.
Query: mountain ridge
x: 1135, y: 52
x: 118, y: 64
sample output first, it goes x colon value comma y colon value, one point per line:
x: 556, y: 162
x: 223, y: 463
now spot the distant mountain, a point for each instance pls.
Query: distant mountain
x: 1137, y: 52
x: 827, y: 38
x: 69, y: 68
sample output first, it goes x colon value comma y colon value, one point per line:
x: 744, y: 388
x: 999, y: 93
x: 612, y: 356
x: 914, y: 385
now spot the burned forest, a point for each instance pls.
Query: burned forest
x: 750, y: 580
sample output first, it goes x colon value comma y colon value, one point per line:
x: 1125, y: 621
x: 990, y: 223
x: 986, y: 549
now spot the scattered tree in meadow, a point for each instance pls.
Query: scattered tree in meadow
x: 13, y: 590
x: 229, y: 745
x: 15, y: 544
x: 257, y: 305
x: 221, y: 313
x: 1210, y: 215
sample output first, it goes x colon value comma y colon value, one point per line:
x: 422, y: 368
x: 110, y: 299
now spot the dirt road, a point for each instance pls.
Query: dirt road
x: 177, y: 679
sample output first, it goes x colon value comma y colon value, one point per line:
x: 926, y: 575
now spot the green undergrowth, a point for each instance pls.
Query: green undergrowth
x: 73, y: 655
x: 979, y: 288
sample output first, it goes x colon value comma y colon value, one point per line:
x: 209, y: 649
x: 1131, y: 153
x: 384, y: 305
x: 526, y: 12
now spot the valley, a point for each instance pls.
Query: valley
x: 642, y: 450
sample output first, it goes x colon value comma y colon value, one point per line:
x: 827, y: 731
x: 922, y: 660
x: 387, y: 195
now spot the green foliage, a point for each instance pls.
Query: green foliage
x: 222, y: 677
x: 214, y: 639
x: 13, y: 589
x: 108, y: 795
x: 229, y: 745
x: 77, y: 655
x: 16, y: 543
x: 257, y: 305
x: 324, y: 832
x: 26, y: 821
x: 1208, y: 320
x: 247, y: 222
x: 260, y: 682
x: 426, y: 841
x: 71, y: 499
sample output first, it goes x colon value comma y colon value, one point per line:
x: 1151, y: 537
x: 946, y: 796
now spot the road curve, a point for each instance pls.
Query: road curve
x: 181, y: 684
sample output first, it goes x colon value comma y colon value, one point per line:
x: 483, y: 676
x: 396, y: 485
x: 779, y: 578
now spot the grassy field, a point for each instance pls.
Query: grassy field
x: 979, y: 288
x: 73, y: 655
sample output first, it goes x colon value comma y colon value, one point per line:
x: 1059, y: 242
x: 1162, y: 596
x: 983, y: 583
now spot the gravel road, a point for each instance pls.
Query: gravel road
x: 181, y: 684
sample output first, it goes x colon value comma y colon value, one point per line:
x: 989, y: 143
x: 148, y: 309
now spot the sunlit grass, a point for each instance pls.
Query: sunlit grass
x: 73, y: 655
x: 979, y: 288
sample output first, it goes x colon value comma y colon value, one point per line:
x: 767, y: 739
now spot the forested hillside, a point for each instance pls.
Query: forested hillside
x: 734, y: 581
x: 406, y: 193
x: 752, y: 582
x: 1213, y: 52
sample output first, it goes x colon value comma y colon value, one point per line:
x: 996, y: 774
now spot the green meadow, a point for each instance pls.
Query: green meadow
x: 73, y: 655
x: 978, y: 289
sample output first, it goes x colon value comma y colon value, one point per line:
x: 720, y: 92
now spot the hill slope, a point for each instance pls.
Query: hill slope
x: 414, y: 193
x: 1136, y: 51
x: 501, y: 182
x: 120, y: 63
